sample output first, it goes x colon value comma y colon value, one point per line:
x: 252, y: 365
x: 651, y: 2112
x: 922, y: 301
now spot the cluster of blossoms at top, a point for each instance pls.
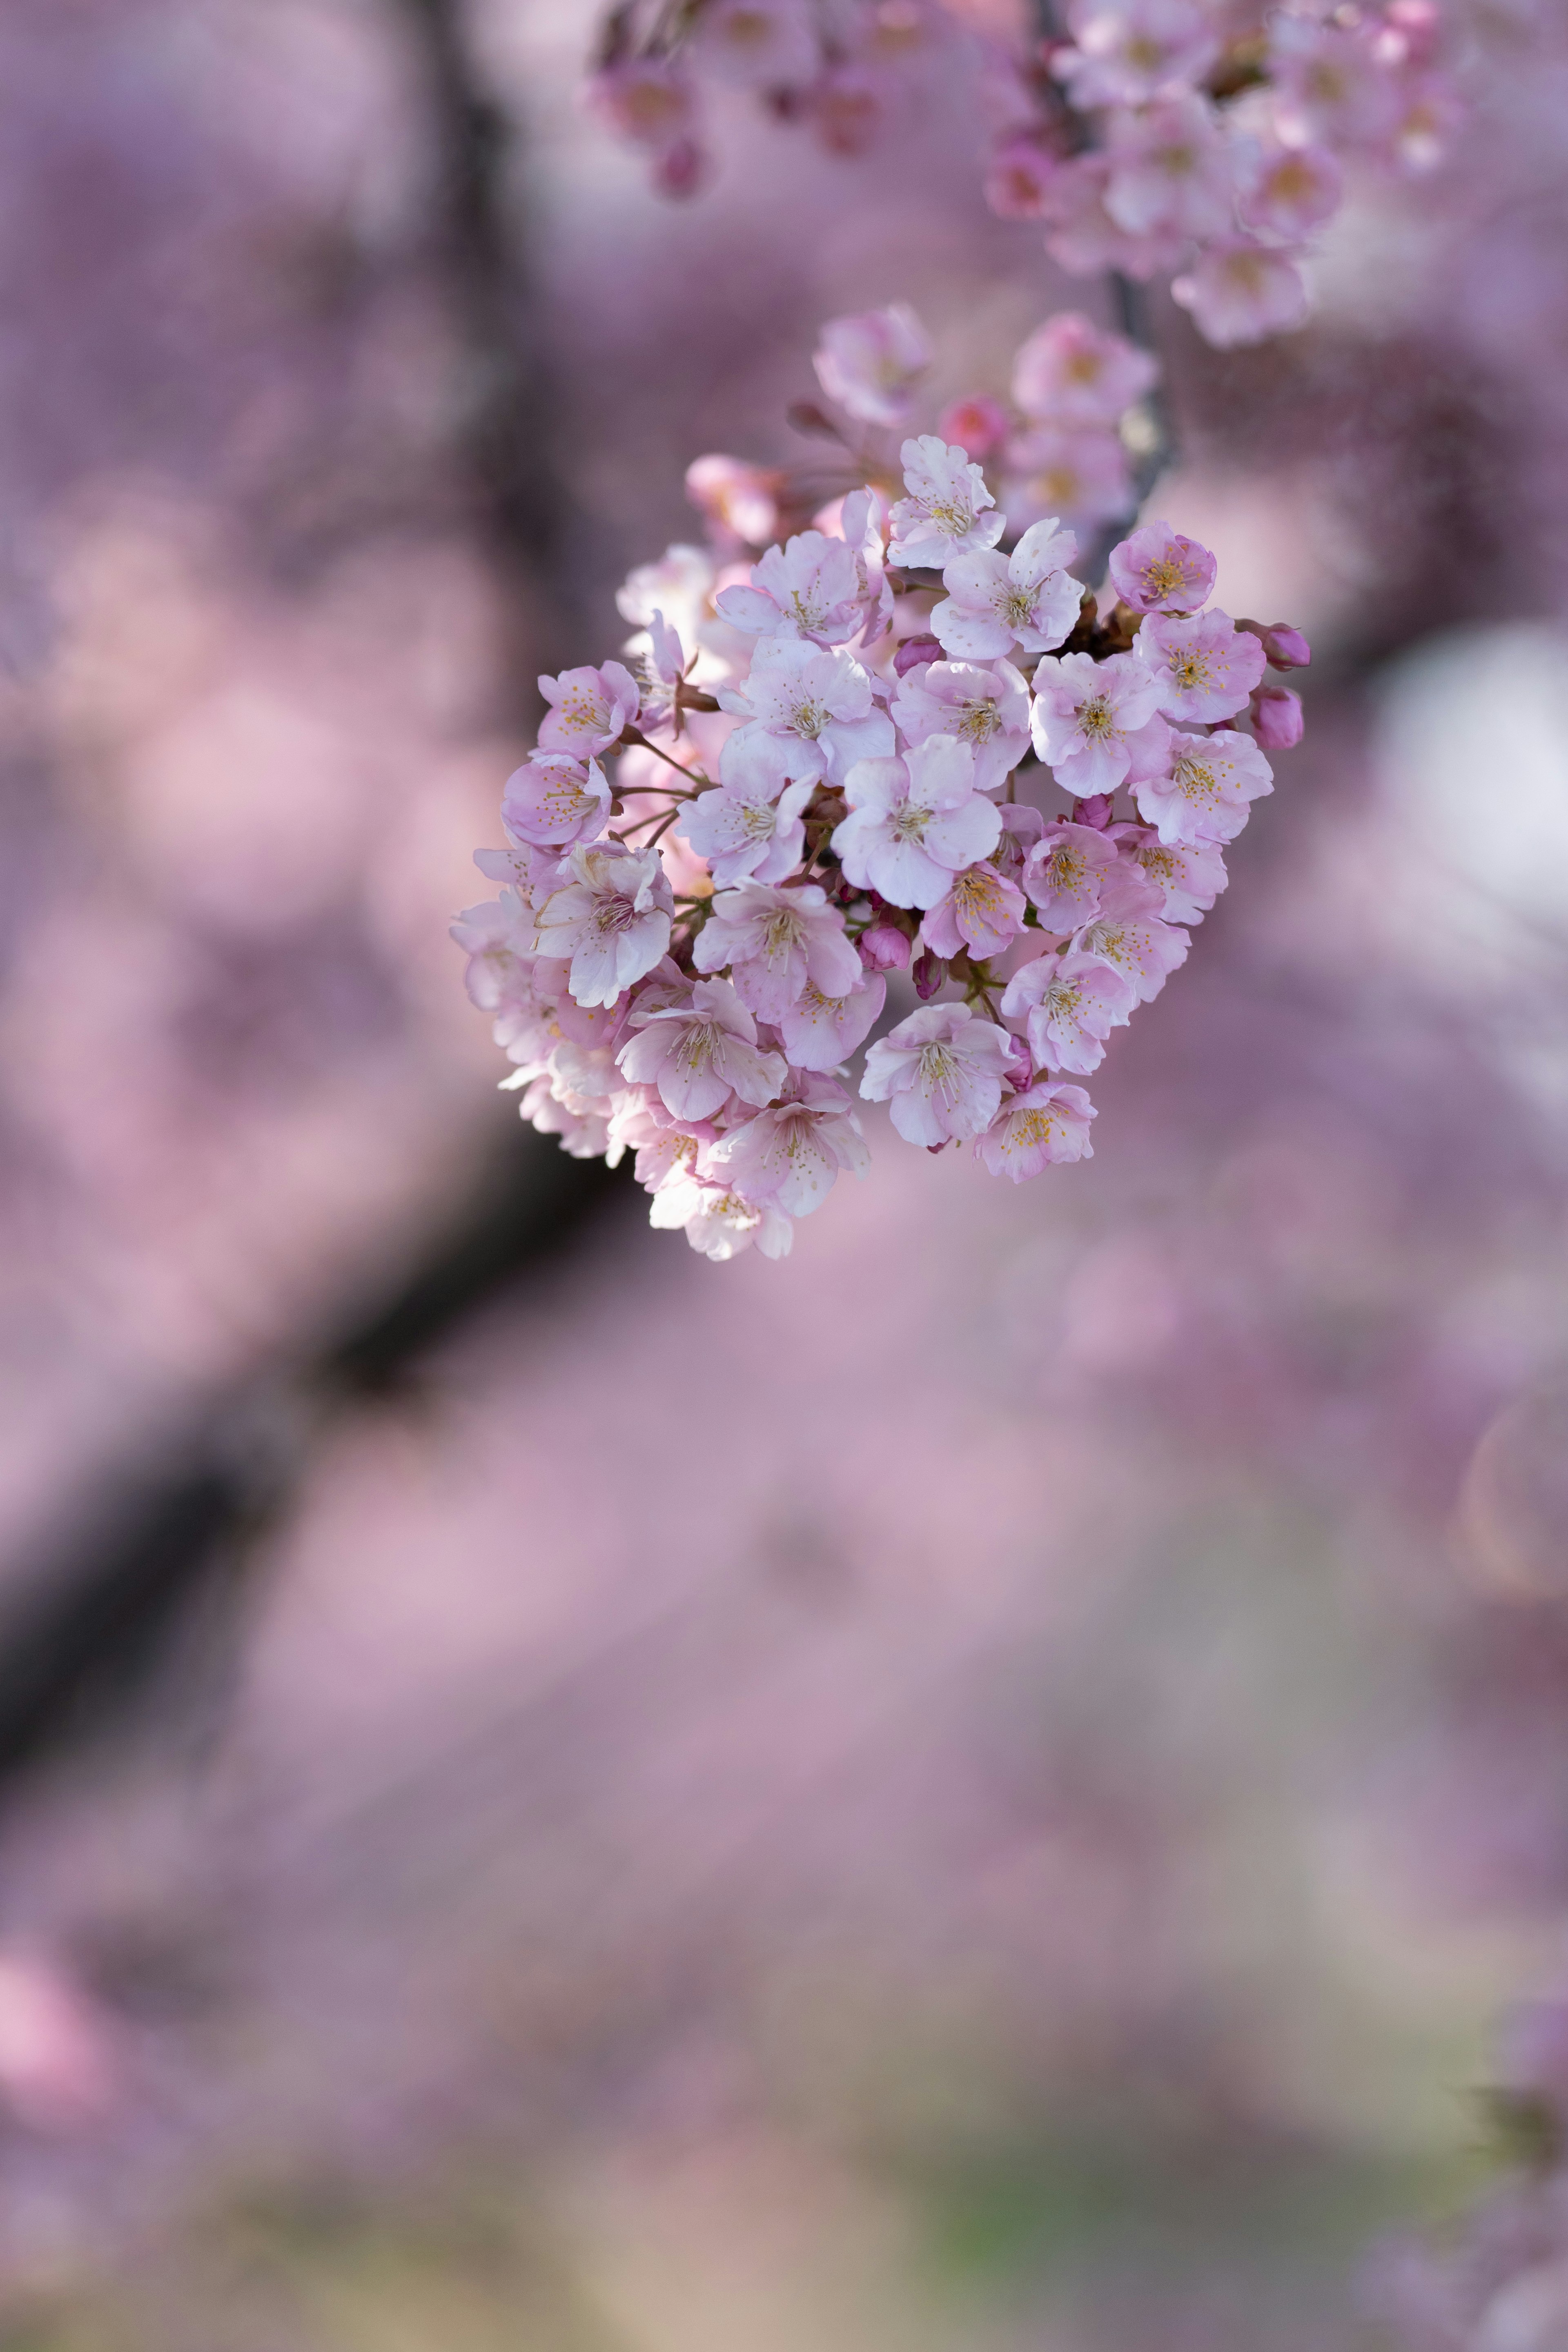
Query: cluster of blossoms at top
x: 1201, y: 140
x: 903, y: 754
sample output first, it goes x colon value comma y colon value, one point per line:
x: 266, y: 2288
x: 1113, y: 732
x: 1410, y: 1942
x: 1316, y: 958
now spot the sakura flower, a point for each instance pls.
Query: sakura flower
x: 554, y: 801
x: 1331, y: 84
x: 1079, y: 474
x: 1088, y: 716
x: 1189, y: 875
x: 1083, y: 236
x: 664, y: 1153
x: 645, y: 99
x: 979, y: 425
x: 758, y: 43
x: 986, y: 708
x: 944, y: 514
x: 501, y: 940
x: 554, y: 1110
x: 749, y: 827
x: 1203, y: 668
x: 791, y: 1154
x: 821, y: 698
x: 915, y: 823
x: 775, y: 942
x: 1063, y: 871
x: 846, y: 109
x: 717, y: 1221
x: 1129, y: 50
x: 1139, y: 945
x: 1240, y: 292
x: 940, y: 1071
x: 611, y: 917
x: 1292, y: 191
x: 818, y: 1031
x: 1017, y: 177
x: 679, y: 587
x: 1173, y: 171
x: 1070, y: 1004
x: 740, y: 499
x: 1037, y: 1131
x: 1206, y: 796
x: 871, y: 362
x: 700, y: 1052
x: 996, y: 602
x: 982, y: 914
x: 1070, y: 371
x: 589, y: 710
x: 809, y: 588
x: 1159, y: 571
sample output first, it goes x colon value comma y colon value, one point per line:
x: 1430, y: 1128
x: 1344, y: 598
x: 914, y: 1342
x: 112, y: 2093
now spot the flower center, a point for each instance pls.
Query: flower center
x: 910, y: 822
x: 1097, y: 719
x: 809, y: 718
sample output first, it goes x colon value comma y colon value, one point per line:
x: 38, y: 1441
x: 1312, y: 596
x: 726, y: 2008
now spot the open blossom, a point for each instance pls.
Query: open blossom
x: 978, y: 424
x: 720, y: 1222
x: 1078, y: 472
x: 646, y: 99
x: 1080, y: 233
x: 553, y: 801
x: 946, y: 514
x: 817, y: 1032
x: 679, y: 587
x: 1189, y: 875
x: 749, y: 827
x: 1139, y: 945
x: 996, y: 602
x: 1070, y: 1004
x: 1208, y: 794
x: 775, y: 942
x: 1070, y: 371
x: 700, y: 1052
x: 739, y: 499
x: 915, y: 823
x: 1292, y: 192
x: 870, y: 364
x: 1062, y: 874
x: 1091, y: 719
x: 757, y: 43
x: 1173, y: 171
x: 1331, y: 83
x: 792, y: 1153
x: 1037, y: 1131
x: 1157, y: 569
x: 809, y: 588
x: 822, y: 696
x: 986, y: 708
x: 1130, y: 50
x: 940, y: 1072
x: 1203, y: 668
x: 1241, y: 292
x: 611, y: 918
x: 589, y: 710
x: 982, y: 914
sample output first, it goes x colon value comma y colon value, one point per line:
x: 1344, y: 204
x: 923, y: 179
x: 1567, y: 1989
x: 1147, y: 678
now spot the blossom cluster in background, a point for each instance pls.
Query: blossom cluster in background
x: 1196, y: 140
x: 831, y: 789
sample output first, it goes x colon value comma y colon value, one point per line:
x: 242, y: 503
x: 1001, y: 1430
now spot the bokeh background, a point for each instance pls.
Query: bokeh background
x: 987, y: 1787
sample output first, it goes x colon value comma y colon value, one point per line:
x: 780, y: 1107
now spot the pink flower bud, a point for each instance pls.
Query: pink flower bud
x: 915, y: 652
x: 979, y: 425
x: 1094, y: 812
x: 884, y: 947
x: 929, y: 974
x: 1020, y: 1065
x: 1286, y: 647
x: 678, y: 169
x: 1277, y: 718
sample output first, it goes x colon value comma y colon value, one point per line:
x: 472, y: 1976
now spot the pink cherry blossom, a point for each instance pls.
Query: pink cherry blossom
x: 1241, y: 292
x: 1292, y: 192
x: 1069, y: 1004
x: 679, y: 585
x: 1174, y: 170
x: 1206, y: 796
x: 809, y: 588
x: 940, y: 1072
x: 1277, y: 718
x: 871, y: 362
x: 1019, y: 173
x: 645, y: 100
x: 1081, y: 233
x: 1331, y: 84
x: 700, y: 1052
x: 553, y: 801
x: 817, y: 1032
x: 915, y: 821
x: 611, y: 917
x: 589, y: 710
x: 749, y: 827
x: 978, y: 424
x: 740, y: 499
x: 946, y: 514
x: 757, y: 43
x: 1070, y: 371
x: 1062, y: 874
x: 1157, y: 569
x: 1203, y: 669
x: 819, y: 695
x: 1037, y: 1131
x: 791, y: 1155
x: 775, y: 942
x: 1139, y: 945
x: 1086, y: 715
x: 718, y: 1222
x: 550, y: 1106
x: 1130, y: 50
x: 1189, y: 875
x: 983, y: 913
x: 1078, y: 473
x: 988, y: 708
x: 996, y: 602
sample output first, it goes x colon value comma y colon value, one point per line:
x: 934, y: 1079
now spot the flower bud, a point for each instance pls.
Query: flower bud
x: 1286, y: 647
x: 1094, y: 812
x: 884, y: 947
x: 1277, y: 718
x: 678, y: 169
x: 1020, y: 1065
x: 929, y: 974
x: 914, y: 654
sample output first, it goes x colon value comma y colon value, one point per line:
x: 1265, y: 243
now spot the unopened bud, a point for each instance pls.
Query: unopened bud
x: 884, y: 947
x: 1277, y: 718
x: 1094, y: 812
x: 679, y: 169
x: 914, y: 654
x: 1286, y: 647
x: 929, y: 974
x: 979, y: 425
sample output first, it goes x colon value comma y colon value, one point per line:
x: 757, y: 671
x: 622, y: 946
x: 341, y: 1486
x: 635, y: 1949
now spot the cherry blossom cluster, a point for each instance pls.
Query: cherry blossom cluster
x: 832, y: 783
x: 1204, y: 141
